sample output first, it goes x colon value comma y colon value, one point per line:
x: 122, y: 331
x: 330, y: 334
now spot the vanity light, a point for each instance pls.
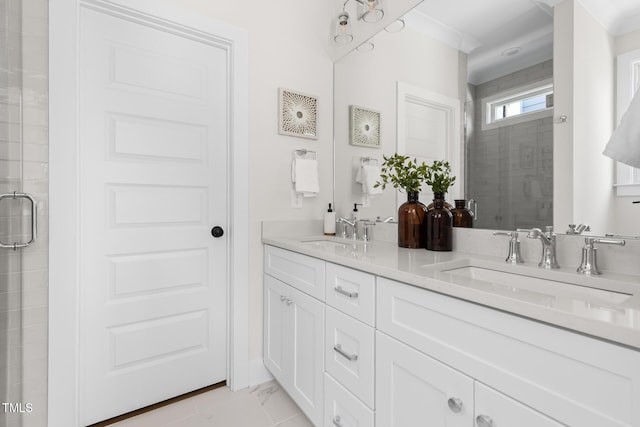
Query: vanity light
x: 343, y: 33
x: 370, y: 11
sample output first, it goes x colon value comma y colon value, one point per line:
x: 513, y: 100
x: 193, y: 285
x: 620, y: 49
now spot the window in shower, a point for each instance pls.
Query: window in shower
x: 518, y: 105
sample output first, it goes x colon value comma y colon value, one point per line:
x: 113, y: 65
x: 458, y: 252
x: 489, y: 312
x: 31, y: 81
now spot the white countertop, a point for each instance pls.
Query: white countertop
x: 606, y: 307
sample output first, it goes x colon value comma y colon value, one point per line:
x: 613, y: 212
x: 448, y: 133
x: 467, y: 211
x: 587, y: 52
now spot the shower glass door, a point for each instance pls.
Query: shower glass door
x: 10, y: 215
x: 23, y: 174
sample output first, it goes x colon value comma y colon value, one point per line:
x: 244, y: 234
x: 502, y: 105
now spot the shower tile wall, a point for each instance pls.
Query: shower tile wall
x: 24, y: 167
x: 510, y: 169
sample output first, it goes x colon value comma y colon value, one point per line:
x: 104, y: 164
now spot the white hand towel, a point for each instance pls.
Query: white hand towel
x: 305, y: 177
x: 370, y: 174
x: 624, y: 145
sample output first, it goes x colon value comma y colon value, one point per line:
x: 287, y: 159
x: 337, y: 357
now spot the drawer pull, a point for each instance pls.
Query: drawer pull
x: 336, y: 421
x: 289, y: 301
x: 338, y: 349
x: 282, y: 298
x: 339, y: 290
x: 484, y: 421
x: 455, y: 404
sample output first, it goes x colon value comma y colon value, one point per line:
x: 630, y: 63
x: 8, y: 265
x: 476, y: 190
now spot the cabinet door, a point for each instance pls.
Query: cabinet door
x: 413, y: 389
x: 277, y: 354
x: 494, y: 409
x: 343, y: 409
x: 307, y: 339
x: 349, y: 354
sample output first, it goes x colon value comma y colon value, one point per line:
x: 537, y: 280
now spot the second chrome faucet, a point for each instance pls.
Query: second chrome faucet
x: 548, y: 241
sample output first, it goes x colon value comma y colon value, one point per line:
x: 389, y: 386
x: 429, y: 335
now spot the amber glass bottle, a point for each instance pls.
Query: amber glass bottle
x: 411, y: 222
x: 439, y: 226
x: 462, y: 217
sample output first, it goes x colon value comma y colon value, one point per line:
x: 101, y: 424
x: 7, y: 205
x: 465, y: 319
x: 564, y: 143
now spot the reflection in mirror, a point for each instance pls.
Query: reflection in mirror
x: 494, y: 70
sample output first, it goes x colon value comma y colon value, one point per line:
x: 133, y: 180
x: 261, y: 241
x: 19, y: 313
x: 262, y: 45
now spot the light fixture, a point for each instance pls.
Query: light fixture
x: 370, y: 11
x: 343, y: 34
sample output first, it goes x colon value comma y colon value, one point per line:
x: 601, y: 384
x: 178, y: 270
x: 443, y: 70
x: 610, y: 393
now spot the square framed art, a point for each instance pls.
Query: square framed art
x: 364, y: 127
x: 297, y: 114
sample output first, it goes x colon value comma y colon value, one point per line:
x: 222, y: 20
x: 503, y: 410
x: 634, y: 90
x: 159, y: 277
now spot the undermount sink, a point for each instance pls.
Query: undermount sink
x: 527, y: 284
x: 329, y: 244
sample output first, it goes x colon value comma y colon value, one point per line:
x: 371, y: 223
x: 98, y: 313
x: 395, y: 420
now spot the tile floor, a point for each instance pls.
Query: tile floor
x: 265, y: 405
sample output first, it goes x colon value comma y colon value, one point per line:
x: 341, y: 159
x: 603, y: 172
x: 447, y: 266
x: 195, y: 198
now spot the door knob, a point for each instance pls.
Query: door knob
x: 217, y: 231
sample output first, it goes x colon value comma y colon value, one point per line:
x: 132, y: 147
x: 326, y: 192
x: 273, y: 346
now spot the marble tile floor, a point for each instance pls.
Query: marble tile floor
x: 265, y: 405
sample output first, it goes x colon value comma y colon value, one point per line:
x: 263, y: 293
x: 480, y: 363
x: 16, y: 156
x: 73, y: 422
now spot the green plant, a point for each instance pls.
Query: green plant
x: 402, y: 172
x: 438, y: 176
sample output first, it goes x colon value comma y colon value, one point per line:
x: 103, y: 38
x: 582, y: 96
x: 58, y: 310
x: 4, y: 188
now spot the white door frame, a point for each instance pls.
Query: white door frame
x: 64, y: 287
x: 409, y: 94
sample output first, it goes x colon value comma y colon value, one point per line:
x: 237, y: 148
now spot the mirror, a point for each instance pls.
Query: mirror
x: 505, y: 158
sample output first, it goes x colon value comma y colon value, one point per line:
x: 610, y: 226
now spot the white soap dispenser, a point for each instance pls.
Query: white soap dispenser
x: 330, y: 222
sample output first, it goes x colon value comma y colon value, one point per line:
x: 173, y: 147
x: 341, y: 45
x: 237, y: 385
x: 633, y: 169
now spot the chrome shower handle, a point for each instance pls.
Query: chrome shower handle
x: 34, y: 220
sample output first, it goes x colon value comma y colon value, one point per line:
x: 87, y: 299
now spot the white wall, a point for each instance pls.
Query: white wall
x: 288, y: 47
x: 563, y: 70
x: 369, y: 80
x: 594, y: 109
x: 627, y: 214
x: 584, y: 92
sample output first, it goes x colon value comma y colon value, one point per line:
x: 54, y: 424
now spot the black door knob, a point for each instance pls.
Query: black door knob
x: 217, y: 231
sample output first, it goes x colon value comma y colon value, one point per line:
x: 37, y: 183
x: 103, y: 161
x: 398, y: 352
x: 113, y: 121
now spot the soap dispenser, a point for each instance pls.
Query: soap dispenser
x: 354, y: 213
x: 330, y: 222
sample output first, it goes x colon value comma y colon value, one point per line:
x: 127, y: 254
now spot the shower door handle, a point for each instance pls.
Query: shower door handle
x: 34, y: 220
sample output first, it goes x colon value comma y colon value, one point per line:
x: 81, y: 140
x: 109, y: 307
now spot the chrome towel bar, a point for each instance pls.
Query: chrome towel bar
x: 34, y: 220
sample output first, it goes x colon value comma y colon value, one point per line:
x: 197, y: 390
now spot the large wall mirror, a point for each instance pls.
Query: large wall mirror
x: 494, y: 60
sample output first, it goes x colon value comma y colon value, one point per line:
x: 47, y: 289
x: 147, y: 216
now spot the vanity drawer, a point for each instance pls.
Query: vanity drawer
x: 572, y: 378
x: 349, y: 354
x: 351, y: 291
x: 305, y: 273
x: 342, y: 409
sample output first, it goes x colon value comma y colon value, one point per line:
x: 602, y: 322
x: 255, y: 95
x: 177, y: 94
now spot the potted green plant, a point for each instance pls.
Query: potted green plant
x: 438, y: 177
x: 407, y: 175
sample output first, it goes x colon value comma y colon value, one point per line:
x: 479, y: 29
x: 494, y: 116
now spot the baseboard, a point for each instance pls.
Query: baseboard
x: 258, y: 373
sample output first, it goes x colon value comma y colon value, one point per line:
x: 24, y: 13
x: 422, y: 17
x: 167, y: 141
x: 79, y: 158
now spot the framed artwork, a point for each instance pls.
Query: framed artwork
x: 297, y: 114
x: 364, y: 127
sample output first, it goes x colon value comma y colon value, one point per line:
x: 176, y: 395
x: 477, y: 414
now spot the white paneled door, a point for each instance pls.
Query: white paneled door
x: 153, y: 184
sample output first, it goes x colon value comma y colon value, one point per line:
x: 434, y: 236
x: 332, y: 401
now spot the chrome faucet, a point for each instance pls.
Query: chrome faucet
x: 387, y: 219
x: 589, y: 265
x: 578, y: 229
x: 350, y: 224
x: 514, y: 256
x: 548, y: 240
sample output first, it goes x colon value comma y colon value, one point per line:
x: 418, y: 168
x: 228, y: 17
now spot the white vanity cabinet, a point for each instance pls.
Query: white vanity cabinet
x: 413, y: 386
x: 294, y: 328
x: 349, y: 347
x: 357, y: 350
x: 524, y: 373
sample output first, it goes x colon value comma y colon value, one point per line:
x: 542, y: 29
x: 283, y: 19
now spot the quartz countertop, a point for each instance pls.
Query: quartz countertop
x: 606, y: 307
